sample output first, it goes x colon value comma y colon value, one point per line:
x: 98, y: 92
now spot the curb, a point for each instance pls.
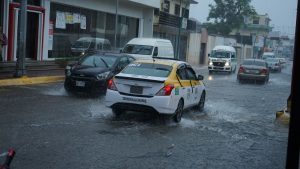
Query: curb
x: 31, y: 80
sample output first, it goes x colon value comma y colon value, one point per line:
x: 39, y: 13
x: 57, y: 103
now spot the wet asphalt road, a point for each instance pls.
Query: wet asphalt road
x: 50, y: 129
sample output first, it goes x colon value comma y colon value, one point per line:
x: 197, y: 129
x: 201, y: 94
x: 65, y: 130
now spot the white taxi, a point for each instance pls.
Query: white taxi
x: 156, y: 85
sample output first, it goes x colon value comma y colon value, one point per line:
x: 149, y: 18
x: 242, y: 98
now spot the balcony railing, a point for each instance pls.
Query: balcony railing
x: 173, y: 20
x: 258, y: 27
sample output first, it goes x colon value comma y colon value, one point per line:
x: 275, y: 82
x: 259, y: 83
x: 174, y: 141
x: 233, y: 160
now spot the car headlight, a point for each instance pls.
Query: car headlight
x: 102, y: 76
x: 68, y: 70
x: 227, y: 63
x: 210, y: 63
x: 82, y: 53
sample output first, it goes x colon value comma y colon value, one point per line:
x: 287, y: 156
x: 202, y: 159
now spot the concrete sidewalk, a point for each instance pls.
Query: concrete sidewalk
x: 35, y: 77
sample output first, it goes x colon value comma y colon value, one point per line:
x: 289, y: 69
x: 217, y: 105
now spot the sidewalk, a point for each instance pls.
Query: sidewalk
x: 32, y: 77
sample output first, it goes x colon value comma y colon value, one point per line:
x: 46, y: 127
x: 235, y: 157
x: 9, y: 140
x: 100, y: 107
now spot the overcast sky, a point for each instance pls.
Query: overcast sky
x: 281, y: 12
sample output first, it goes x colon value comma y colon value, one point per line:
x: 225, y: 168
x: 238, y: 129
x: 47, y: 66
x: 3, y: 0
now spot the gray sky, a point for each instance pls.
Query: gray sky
x: 281, y: 12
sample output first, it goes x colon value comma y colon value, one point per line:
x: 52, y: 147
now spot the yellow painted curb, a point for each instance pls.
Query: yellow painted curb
x: 31, y: 80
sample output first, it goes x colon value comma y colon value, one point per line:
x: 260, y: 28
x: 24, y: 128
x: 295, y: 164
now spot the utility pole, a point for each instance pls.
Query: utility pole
x: 179, y: 32
x: 179, y: 29
x: 116, y: 24
x: 21, y: 51
x: 253, y: 44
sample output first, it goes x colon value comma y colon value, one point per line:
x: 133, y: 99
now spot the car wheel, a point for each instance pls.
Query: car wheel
x: 179, y: 111
x: 116, y: 111
x: 67, y: 86
x: 266, y: 80
x: 201, y: 103
x: 240, y: 81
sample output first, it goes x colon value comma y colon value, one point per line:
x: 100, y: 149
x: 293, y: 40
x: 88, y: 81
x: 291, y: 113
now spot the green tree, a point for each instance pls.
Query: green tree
x: 226, y: 15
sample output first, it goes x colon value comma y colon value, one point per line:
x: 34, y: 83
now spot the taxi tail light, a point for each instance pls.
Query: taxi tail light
x: 242, y: 69
x: 166, y: 90
x: 264, y: 71
x: 111, y: 85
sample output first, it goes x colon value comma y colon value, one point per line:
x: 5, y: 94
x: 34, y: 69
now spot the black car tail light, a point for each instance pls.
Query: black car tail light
x: 111, y: 85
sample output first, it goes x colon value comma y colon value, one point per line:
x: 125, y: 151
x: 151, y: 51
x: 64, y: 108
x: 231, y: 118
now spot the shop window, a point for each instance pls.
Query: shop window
x: 256, y: 20
x: 185, y: 13
x: 177, y: 10
x: 74, y: 26
x: 166, y: 6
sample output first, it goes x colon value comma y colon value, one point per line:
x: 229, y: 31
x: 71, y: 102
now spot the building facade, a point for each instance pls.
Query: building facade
x: 167, y: 20
x: 253, y: 32
x: 54, y: 26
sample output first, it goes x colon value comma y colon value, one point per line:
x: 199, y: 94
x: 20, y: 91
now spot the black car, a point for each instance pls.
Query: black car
x: 91, y: 73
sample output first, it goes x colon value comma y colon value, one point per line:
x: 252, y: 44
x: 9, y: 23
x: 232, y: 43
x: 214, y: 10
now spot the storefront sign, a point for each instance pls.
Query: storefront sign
x: 60, y: 20
x: 82, y: 22
x: 69, y: 18
x: 76, y: 18
x: 50, y: 39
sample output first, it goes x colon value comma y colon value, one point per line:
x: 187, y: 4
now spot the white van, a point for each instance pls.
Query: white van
x: 141, y: 48
x: 222, y: 59
x: 268, y: 55
x: 88, y: 44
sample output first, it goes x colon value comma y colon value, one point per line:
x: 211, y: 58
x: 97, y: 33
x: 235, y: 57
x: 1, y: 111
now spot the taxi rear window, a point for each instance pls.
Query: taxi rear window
x: 148, y: 69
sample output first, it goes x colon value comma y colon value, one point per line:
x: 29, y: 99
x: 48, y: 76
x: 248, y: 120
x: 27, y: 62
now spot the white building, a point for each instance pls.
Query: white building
x: 54, y: 25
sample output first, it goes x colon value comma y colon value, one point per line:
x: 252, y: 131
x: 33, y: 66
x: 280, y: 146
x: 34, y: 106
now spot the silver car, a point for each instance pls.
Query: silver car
x: 274, y: 64
x: 253, y: 69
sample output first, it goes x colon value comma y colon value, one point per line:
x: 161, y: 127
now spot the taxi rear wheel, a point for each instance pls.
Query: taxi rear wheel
x: 201, y: 103
x: 116, y: 111
x: 179, y: 111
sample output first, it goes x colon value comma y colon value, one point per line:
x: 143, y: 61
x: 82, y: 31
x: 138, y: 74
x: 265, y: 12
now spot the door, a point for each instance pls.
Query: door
x: 32, y: 38
x: 185, y: 83
x: 202, y: 53
x: 34, y: 32
x: 195, y: 86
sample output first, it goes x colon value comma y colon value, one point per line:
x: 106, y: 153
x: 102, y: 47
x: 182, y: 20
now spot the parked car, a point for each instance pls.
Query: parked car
x: 274, y: 64
x: 85, y: 45
x: 282, y: 62
x: 149, y: 47
x: 91, y: 73
x: 163, y: 86
x: 253, y: 69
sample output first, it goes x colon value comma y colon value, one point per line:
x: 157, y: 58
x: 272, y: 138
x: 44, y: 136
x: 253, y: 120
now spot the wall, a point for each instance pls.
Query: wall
x: 147, y: 23
x: 150, y: 3
x: 193, y: 55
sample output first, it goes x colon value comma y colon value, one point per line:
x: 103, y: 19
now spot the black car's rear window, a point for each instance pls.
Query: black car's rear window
x: 98, y: 61
x: 148, y: 69
x: 254, y: 62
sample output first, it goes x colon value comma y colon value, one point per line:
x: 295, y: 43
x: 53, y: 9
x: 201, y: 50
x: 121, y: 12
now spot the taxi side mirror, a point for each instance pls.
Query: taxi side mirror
x: 200, y: 77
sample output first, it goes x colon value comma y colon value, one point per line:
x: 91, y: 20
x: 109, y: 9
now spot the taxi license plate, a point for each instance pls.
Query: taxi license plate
x: 80, y: 83
x: 136, y: 89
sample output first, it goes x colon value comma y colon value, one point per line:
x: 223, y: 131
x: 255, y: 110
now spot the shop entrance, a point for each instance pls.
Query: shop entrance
x: 32, y: 35
x: 34, y: 32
